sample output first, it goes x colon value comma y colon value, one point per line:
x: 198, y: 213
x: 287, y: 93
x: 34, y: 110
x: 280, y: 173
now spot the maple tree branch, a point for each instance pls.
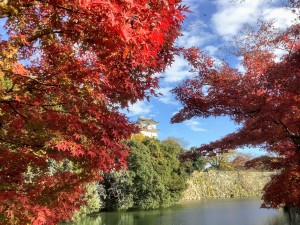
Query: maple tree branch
x: 31, y: 89
x: 292, y: 47
x: 62, y: 7
x: 295, y: 138
x: 25, y: 103
x: 42, y: 33
x: 248, y: 113
x: 69, y: 10
x: 58, y: 111
x: 16, y: 111
x: 12, y: 88
x: 39, y: 82
x: 18, y: 143
x: 47, y: 105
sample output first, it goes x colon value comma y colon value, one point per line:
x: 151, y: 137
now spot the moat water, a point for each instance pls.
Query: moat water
x: 207, y: 212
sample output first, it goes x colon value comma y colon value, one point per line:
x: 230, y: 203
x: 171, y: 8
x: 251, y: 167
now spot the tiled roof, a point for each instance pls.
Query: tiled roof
x: 146, y: 120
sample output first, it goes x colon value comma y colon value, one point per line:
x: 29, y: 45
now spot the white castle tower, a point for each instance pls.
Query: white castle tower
x: 147, y: 126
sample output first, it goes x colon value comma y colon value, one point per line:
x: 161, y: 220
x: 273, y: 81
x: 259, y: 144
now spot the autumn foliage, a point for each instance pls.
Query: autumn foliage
x: 66, y: 67
x: 264, y: 101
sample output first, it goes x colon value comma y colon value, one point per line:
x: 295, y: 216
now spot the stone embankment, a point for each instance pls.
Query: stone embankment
x: 225, y: 184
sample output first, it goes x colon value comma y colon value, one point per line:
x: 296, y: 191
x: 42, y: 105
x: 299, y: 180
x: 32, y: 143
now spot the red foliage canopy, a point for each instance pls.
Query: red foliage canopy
x: 265, y: 101
x: 66, y: 67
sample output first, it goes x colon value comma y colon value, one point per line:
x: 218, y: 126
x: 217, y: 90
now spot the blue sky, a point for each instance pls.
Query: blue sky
x: 208, y: 27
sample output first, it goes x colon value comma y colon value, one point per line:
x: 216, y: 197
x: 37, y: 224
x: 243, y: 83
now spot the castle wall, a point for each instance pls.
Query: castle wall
x: 225, y: 184
x: 149, y: 134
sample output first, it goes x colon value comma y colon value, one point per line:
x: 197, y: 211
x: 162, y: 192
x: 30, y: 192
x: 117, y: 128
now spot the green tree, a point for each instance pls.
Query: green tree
x: 168, y: 177
x: 221, y: 161
x: 93, y: 202
x: 155, y: 176
x: 116, y: 190
x: 193, y: 162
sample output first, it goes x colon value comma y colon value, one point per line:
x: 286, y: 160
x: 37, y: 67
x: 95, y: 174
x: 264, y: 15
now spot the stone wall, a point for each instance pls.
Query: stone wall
x: 294, y: 215
x: 225, y: 184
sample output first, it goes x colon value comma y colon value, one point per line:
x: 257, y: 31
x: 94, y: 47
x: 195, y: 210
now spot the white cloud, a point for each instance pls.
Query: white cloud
x: 212, y: 50
x: 230, y: 17
x: 282, y: 17
x: 215, y: 53
x: 194, y: 5
x: 173, y: 113
x: 139, y: 108
x: 166, y: 96
x: 178, y: 71
x: 279, y: 53
x: 194, y: 33
x: 152, y: 115
x: 194, y: 37
x: 194, y: 125
x: 241, y: 68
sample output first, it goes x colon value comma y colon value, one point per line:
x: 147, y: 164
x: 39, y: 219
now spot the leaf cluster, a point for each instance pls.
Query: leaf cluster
x: 263, y: 100
x: 66, y: 69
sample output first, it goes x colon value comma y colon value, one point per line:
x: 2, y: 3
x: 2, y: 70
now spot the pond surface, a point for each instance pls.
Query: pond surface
x: 209, y: 212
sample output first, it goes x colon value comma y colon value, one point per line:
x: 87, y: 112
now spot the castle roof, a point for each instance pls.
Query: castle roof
x: 146, y: 120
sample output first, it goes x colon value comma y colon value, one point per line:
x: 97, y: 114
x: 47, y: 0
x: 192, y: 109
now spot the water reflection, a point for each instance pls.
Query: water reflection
x: 213, y: 212
x: 278, y: 220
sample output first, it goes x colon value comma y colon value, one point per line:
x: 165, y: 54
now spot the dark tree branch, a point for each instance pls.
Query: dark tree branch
x: 13, y: 108
x: 295, y: 138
